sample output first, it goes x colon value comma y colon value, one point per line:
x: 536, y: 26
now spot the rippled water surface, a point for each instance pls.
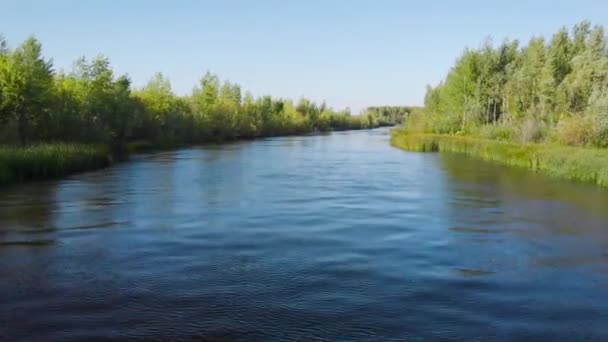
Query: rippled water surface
x: 333, y: 237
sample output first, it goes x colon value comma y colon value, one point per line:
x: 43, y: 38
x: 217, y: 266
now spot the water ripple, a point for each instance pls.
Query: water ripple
x: 324, y: 238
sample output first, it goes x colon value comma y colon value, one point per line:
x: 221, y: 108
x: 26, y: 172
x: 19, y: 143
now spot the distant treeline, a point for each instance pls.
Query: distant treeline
x: 548, y: 90
x: 390, y: 115
x: 90, y: 104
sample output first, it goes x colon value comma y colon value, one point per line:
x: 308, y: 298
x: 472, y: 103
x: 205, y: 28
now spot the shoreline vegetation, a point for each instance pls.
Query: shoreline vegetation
x: 48, y: 161
x: 543, y: 106
x: 54, y: 123
x: 567, y: 162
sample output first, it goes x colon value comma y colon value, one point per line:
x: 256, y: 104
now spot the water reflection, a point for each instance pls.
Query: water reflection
x: 481, y: 178
x: 555, y: 223
x: 26, y: 215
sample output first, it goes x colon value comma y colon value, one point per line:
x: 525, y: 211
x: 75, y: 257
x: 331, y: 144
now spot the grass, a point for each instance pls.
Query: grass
x: 575, y: 163
x: 45, y: 161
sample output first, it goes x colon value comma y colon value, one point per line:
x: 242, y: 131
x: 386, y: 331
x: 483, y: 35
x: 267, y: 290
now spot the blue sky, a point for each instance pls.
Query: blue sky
x: 348, y: 52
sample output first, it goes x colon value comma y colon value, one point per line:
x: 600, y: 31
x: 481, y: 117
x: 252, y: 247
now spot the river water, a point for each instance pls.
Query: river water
x: 330, y: 237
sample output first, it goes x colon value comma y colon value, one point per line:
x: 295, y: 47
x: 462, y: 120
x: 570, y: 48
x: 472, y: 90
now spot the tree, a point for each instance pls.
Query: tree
x: 559, y: 54
x: 26, y: 81
x: 529, y: 90
x: 119, y: 118
x: 68, y: 119
x: 580, y: 32
x: 210, y: 85
x: 93, y: 104
x: 4, y: 72
x: 161, y: 108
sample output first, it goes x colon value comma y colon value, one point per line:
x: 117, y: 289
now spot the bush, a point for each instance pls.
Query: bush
x: 575, y: 131
x: 497, y: 132
x: 446, y: 124
x: 600, y: 138
x: 598, y: 110
x: 417, y: 122
x: 532, y: 130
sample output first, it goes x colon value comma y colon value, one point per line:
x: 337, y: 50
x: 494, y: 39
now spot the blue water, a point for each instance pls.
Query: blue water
x: 330, y: 237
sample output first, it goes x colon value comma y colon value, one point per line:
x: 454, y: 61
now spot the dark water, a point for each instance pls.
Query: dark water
x: 336, y: 237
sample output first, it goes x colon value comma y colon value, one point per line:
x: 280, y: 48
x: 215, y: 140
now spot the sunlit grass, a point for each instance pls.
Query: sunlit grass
x: 49, y: 161
x: 584, y: 164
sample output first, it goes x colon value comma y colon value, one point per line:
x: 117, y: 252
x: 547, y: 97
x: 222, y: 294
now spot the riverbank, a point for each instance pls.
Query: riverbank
x: 51, y: 160
x: 574, y: 163
x: 56, y: 160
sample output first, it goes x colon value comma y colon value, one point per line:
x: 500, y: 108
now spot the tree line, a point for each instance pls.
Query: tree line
x: 548, y: 90
x: 91, y: 103
x: 390, y: 115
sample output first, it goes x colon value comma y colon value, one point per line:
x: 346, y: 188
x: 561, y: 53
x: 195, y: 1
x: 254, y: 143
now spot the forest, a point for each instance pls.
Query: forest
x: 91, y: 104
x: 549, y: 90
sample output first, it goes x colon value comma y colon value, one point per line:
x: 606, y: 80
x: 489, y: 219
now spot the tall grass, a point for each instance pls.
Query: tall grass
x: 584, y: 164
x: 45, y: 161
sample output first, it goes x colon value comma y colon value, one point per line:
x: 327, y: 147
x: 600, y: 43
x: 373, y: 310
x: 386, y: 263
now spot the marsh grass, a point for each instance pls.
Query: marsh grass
x: 47, y: 161
x: 575, y: 163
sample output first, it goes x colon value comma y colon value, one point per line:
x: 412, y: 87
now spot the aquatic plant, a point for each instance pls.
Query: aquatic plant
x: 575, y: 163
x: 49, y: 160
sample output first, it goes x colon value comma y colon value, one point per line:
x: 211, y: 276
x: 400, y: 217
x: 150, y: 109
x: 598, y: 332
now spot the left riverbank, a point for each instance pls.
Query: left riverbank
x: 55, y: 160
x: 51, y: 160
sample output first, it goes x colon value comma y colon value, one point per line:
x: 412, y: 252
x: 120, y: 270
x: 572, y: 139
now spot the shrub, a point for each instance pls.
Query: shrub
x: 417, y: 122
x: 497, y: 132
x: 600, y: 138
x: 598, y: 110
x: 531, y: 130
x: 575, y: 131
x: 446, y: 123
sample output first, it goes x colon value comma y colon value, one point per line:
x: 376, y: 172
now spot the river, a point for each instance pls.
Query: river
x: 328, y: 237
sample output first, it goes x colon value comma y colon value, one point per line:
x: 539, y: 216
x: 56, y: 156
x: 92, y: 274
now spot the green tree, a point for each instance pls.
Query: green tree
x: 26, y: 81
x: 210, y: 85
x: 581, y: 33
x: 530, y: 91
x: 92, y: 104
x: 161, y: 109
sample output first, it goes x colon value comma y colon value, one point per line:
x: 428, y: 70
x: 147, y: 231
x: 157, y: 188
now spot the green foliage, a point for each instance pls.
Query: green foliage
x: 496, y: 132
x: 49, y: 161
x: 528, y: 89
x: 90, y: 104
x: 388, y: 115
x: 418, y: 122
x: 26, y: 81
x: 69, y: 122
x: 162, y: 115
x: 575, y: 131
x: 530, y: 130
x: 598, y: 111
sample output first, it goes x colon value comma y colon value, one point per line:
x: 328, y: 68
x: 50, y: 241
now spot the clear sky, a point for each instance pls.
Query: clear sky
x: 348, y: 52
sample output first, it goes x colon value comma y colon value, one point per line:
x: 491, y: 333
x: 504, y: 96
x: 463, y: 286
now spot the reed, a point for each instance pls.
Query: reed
x: 575, y: 163
x: 45, y: 161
